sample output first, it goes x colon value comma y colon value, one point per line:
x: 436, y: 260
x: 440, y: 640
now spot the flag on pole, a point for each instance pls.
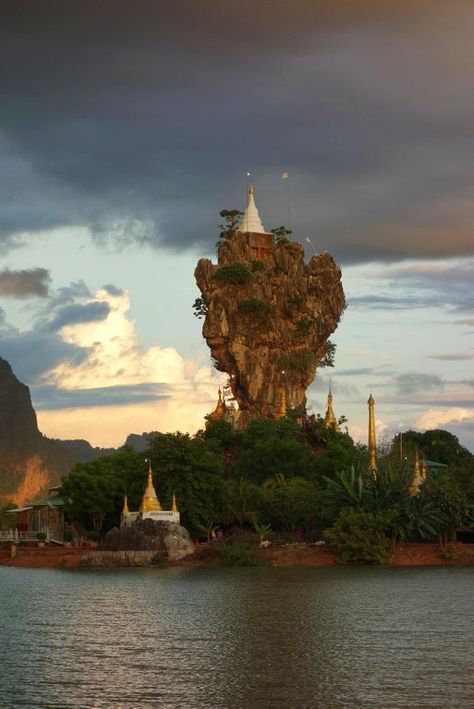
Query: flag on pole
x: 284, y: 176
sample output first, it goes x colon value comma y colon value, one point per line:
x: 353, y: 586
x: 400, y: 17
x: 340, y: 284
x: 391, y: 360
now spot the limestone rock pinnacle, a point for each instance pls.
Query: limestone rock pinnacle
x: 269, y: 315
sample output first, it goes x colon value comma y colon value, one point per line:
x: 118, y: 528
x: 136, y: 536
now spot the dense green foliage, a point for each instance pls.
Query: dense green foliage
x: 7, y: 520
x: 281, y: 475
x: 237, y: 273
x: 360, y: 537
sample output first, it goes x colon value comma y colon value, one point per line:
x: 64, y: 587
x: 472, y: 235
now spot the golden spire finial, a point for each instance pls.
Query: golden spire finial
x: 150, y: 501
x: 372, y: 442
x: 174, y: 506
x: 125, y: 509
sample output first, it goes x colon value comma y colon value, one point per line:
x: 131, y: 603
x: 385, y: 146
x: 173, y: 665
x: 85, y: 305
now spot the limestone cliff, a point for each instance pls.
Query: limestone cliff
x: 29, y: 462
x: 268, y: 317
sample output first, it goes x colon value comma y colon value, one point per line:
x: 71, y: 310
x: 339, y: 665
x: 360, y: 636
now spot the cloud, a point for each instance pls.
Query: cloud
x: 414, y: 382
x: 54, y: 398
x: 452, y: 357
x: 79, y: 313
x: 424, y: 284
x: 28, y: 283
x: 34, y: 352
x: 142, y: 133
x: 435, y: 418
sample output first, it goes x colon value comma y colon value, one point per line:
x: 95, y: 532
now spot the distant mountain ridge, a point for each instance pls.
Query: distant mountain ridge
x: 84, y: 452
x: 30, y: 462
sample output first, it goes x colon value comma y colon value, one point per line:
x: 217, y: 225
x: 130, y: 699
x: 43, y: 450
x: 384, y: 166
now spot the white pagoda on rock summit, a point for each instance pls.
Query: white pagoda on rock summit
x: 259, y: 240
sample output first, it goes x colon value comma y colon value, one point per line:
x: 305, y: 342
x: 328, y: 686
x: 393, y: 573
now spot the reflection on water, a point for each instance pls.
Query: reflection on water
x: 251, y: 638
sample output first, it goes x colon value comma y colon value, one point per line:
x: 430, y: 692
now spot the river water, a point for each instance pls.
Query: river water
x: 250, y: 638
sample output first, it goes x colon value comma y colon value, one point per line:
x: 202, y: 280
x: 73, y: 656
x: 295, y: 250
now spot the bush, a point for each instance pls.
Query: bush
x: 200, y: 308
x: 360, y: 537
x: 234, y: 273
x: 253, y: 306
x: 295, y: 300
x: 258, y: 266
x: 281, y: 233
x: 92, y: 536
x: 68, y: 536
x: 297, y: 361
x: 304, y: 325
x: 41, y: 536
x: 239, y: 555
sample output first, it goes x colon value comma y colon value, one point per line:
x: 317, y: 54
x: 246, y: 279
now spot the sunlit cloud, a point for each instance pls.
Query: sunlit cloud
x: 434, y: 418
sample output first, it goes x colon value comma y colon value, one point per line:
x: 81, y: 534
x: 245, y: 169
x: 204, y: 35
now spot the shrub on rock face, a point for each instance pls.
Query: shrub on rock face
x: 360, y: 537
x: 258, y: 266
x: 235, y: 273
x: 253, y: 306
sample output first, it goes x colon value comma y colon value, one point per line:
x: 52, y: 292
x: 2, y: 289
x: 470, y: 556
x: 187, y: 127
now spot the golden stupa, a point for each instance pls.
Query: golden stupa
x: 150, y: 501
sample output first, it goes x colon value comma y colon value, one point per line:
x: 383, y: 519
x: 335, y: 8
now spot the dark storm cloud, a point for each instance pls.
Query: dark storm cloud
x: 79, y: 313
x: 140, y: 119
x: 50, y: 397
x: 423, y: 285
x: 29, y: 283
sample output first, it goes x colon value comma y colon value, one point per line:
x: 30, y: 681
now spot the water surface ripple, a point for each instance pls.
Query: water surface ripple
x: 237, y: 638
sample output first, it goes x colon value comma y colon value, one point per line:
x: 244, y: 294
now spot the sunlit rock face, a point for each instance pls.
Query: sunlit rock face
x: 268, y: 318
x: 29, y: 462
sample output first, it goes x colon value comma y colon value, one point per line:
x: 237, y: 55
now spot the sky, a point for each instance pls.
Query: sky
x: 125, y: 127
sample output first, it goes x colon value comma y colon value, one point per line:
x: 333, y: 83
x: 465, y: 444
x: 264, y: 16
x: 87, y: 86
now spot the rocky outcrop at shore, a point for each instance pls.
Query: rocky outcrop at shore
x: 144, y: 543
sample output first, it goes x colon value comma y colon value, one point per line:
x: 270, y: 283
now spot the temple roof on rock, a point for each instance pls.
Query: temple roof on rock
x: 251, y: 221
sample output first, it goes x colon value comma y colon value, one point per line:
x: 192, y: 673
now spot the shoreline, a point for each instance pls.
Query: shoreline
x: 298, y: 555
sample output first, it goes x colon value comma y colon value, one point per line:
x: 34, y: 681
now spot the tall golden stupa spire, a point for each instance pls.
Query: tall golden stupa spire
x: 150, y: 501
x: 372, y: 442
x: 330, y: 418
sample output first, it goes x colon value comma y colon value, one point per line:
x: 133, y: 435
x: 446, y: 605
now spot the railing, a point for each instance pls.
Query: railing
x: 13, y: 535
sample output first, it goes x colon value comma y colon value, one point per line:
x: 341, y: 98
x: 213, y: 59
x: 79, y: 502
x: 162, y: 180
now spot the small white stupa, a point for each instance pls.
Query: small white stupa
x: 251, y: 222
x: 259, y: 240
